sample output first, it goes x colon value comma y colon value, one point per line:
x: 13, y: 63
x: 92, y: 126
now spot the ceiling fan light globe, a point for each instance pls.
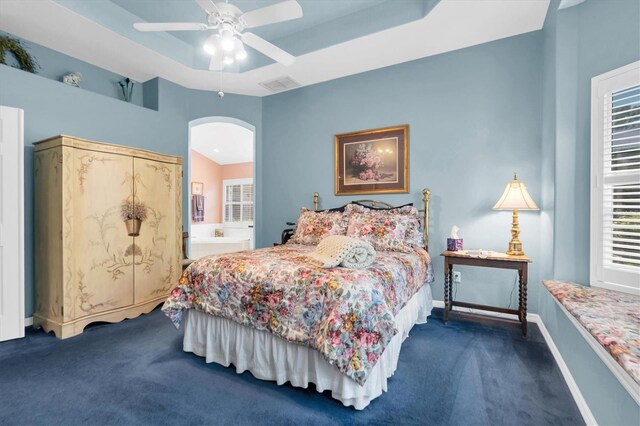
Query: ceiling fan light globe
x: 240, y: 52
x: 212, y: 44
x: 227, y: 41
x: 218, y: 43
x: 228, y: 60
x: 227, y: 44
x: 241, y: 55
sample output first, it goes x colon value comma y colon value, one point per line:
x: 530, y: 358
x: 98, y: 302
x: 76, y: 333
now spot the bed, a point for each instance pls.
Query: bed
x: 279, y: 315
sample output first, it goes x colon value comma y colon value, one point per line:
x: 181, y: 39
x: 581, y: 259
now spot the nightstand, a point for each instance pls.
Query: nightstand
x: 496, y: 260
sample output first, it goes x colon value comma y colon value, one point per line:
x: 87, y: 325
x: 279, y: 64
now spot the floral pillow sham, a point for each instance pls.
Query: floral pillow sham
x: 384, y: 230
x: 413, y: 236
x: 314, y: 226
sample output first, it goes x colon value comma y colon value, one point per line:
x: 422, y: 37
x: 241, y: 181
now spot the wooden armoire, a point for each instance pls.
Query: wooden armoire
x: 87, y: 266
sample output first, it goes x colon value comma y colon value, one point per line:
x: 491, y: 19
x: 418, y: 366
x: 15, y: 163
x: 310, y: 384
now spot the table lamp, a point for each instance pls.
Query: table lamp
x: 515, y: 197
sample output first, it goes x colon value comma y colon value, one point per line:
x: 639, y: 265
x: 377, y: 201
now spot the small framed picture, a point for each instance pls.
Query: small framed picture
x: 197, y: 188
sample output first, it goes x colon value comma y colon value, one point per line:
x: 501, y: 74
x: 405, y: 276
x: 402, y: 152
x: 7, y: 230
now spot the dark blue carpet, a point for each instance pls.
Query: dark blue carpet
x: 135, y: 372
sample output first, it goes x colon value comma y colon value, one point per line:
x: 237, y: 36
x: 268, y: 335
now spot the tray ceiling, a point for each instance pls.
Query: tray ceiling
x: 332, y: 40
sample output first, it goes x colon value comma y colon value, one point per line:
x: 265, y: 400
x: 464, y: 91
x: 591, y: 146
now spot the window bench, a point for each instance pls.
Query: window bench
x: 612, y: 323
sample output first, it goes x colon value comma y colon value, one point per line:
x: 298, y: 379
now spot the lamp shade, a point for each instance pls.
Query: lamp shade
x: 515, y: 196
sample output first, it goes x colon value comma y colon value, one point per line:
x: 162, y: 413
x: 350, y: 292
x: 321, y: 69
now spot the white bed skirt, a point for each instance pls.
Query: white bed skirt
x: 269, y: 357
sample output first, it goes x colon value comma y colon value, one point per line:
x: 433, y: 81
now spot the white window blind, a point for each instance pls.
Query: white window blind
x: 238, y: 200
x: 615, y: 195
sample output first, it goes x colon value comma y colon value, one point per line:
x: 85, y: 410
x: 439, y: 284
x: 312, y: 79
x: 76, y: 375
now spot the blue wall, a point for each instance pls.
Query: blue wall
x: 519, y: 104
x: 591, y: 39
x: 476, y: 115
x: 579, y: 43
x: 474, y: 118
x: 53, y: 108
x: 548, y: 143
x: 54, y: 65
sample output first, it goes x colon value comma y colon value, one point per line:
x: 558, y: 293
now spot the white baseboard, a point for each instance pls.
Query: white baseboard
x: 28, y: 322
x: 586, y: 413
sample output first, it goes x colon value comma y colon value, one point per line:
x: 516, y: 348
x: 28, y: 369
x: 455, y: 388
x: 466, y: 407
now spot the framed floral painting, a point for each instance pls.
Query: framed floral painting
x: 372, y: 161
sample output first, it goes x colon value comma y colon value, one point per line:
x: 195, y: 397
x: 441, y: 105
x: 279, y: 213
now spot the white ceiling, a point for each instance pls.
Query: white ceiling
x: 224, y: 143
x: 451, y: 25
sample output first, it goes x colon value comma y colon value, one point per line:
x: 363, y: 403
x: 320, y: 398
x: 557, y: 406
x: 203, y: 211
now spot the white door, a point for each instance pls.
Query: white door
x: 11, y: 224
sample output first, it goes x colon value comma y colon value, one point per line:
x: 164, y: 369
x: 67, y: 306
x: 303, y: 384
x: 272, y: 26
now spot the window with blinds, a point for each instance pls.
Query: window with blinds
x: 615, y: 194
x: 238, y: 200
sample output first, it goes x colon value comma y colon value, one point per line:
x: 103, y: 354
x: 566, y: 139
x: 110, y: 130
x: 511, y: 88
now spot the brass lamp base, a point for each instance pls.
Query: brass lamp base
x: 515, y: 246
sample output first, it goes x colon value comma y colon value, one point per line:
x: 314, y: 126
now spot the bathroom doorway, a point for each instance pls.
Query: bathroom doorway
x: 221, y: 186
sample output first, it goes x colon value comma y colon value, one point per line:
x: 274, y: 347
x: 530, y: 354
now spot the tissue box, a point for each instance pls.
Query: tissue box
x: 454, y: 244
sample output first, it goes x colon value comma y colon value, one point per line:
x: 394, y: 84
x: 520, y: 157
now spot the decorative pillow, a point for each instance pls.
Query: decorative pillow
x: 414, y: 236
x: 414, y: 227
x: 384, y: 230
x: 314, y: 226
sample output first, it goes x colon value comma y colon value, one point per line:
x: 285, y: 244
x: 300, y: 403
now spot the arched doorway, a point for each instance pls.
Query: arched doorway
x: 221, y: 173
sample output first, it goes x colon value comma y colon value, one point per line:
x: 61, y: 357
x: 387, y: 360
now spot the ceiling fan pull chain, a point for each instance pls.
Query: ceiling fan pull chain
x: 220, y: 92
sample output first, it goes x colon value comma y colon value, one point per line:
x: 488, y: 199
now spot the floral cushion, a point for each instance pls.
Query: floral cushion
x: 314, y: 226
x: 386, y: 231
x: 612, y: 317
x: 413, y: 236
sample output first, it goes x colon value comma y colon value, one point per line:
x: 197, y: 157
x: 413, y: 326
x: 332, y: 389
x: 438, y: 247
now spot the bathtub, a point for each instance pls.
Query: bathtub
x: 205, y: 246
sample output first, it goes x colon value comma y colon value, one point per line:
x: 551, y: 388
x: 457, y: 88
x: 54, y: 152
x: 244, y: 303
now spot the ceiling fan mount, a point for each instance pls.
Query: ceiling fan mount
x: 226, y: 15
x: 230, y: 22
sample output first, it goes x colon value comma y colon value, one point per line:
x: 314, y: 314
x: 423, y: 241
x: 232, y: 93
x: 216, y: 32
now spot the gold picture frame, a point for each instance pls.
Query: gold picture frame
x: 197, y: 188
x: 372, y: 161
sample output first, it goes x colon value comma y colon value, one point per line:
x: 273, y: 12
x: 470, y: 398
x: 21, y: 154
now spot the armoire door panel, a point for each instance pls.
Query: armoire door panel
x: 102, y: 254
x: 157, y: 259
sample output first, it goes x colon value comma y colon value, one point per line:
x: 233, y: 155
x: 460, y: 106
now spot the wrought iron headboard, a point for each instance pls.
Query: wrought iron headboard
x: 426, y: 199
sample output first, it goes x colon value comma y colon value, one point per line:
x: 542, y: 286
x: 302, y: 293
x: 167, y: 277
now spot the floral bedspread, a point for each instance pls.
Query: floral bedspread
x: 612, y: 317
x: 346, y: 314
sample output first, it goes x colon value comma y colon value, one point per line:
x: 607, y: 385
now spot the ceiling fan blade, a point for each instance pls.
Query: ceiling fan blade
x: 283, y: 11
x: 216, y: 63
x: 170, y: 26
x: 266, y: 48
x: 209, y: 6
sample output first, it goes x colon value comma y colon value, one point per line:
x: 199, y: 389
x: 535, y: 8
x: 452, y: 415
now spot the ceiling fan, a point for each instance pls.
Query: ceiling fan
x: 226, y: 45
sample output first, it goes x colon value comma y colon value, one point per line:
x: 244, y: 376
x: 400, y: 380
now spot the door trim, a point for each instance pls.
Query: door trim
x: 256, y: 183
x: 12, y: 319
